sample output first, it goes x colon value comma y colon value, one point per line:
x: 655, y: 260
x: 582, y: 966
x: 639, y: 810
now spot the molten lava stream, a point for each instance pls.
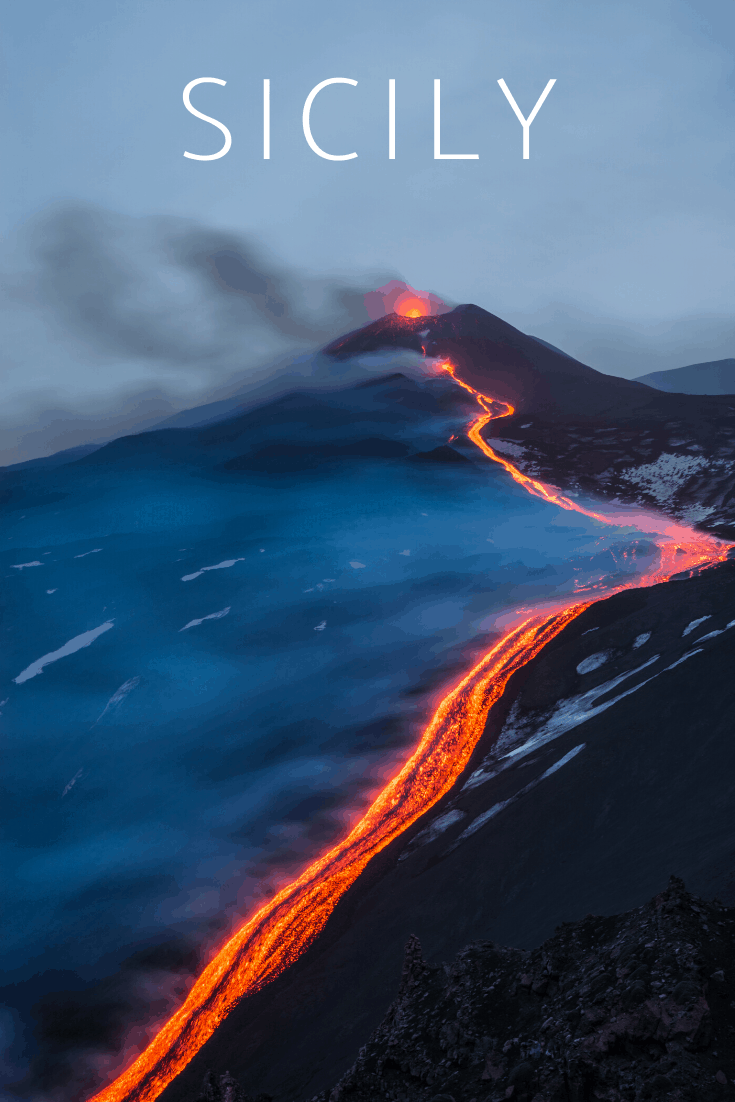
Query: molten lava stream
x: 282, y: 929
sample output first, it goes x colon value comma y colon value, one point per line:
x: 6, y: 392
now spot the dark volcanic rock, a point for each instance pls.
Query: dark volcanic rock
x: 577, y: 428
x: 626, y: 1008
x: 622, y: 1009
x: 489, y: 351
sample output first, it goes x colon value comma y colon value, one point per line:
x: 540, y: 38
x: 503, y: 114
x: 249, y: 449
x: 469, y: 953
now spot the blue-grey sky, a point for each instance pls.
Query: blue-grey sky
x: 614, y: 240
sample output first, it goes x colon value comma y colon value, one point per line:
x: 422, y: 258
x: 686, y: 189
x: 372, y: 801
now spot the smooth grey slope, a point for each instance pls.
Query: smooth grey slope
x: 713, y: 377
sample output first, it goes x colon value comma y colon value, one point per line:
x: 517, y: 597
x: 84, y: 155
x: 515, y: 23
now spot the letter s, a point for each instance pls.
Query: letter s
x: 228, y: 137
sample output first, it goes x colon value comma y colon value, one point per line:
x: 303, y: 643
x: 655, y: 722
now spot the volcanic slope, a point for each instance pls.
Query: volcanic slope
x: 585, y: 431
x: 607, y: 765
x: 635, y: 1006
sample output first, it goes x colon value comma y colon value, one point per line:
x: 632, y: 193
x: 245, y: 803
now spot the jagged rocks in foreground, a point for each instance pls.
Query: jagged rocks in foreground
x: 632, y: 1007
x: 226, y: 1088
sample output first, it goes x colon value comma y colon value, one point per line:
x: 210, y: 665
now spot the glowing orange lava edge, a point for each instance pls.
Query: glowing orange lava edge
x: 285, y: 926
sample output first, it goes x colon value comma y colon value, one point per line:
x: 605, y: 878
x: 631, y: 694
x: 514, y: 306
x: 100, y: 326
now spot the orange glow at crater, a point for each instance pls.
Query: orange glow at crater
x: 409, y: 306
x: 399, y: 298
x: 273, y: 938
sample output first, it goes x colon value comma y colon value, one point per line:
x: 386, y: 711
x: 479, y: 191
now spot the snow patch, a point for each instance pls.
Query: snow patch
x: 693, y: 514
x: 357, y: 565
x: 23, y: 565
x: 507, y: 447
x: 212, y: 616
x: 219, y: 566
x: 521, y: 736
x: 321, y: 627
x: 567, y: 714
x: 641, y: 639
x: 85, y: 553
x: 695, y: 624
x: 439, y: 825
x: 594, y: 661
x: 670, y: 472
x: 75, y: 644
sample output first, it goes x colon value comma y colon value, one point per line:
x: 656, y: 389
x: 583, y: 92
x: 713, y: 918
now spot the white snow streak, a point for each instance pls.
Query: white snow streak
x: 72, y: 782
x: 75, y: 644
x: 684, y: 657
x: 563, y: 761
x: 641, y: 639
x: 23, y: 565
x: 482, y: 819
x: 118, y: 696
x: 212, y: 616
x: 220, y: 566
x: 496, y: 808
x: 567, y: 714
x: 695, y: 624
x: 85, y: 553
x: 432, y: 832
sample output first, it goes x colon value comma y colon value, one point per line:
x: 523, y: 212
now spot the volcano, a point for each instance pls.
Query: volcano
x: 568, y: 759
x: 477, y: 867
x: 616, y: 439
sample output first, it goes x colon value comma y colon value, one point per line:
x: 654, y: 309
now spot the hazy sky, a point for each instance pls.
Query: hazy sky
x: 615, y: 239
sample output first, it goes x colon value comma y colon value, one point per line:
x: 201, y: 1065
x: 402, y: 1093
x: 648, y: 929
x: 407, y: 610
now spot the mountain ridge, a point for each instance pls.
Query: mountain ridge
x: 710, y: 377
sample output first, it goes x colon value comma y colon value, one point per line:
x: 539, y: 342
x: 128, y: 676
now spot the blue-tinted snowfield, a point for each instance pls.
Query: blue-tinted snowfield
x: 219, y: 640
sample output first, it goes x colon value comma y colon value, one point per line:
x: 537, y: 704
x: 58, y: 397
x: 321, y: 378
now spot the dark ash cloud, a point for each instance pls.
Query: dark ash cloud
x: 102, y: 313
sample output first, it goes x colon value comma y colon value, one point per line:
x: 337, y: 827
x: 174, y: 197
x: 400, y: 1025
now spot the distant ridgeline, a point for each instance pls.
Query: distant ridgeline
x: 714, y: 377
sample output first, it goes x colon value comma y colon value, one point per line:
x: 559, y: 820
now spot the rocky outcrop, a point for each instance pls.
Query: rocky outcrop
x: 225, y: 1088
x: 618, y: 1009
x: 624, y: 1009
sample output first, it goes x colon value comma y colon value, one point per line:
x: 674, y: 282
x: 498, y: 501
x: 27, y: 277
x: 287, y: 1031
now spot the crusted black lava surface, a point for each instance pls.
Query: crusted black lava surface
x: 620, y: 1009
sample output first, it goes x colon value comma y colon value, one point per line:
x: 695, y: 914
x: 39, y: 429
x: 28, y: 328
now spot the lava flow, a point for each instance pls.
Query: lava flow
x: 683, y: 548
x: 285, y: 926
